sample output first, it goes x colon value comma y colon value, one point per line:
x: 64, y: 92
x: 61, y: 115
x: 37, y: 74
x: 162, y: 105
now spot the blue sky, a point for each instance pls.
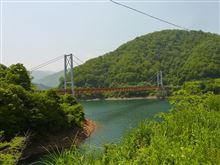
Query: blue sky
x: 36, y: 31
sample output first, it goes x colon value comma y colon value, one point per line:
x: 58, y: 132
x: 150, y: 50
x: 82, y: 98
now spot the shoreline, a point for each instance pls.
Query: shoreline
x: 88, y: 128
x: 57, y: 142
x: 121, y: 98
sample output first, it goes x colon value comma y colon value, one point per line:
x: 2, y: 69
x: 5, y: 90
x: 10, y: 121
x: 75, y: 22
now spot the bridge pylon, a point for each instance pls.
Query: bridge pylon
x: 160, y: 79
x: 68, y: 66
x: 160, y: 83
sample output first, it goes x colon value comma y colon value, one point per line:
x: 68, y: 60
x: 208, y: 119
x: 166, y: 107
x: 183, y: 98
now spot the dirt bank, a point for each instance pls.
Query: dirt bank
x: 57, y: 142
x: 88, y: 128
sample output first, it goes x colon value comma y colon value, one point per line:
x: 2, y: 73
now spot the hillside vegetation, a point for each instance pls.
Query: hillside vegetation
x: 181, y: 55
x: 22, y: 110
x: 50, y: 81
x: 38, y: 74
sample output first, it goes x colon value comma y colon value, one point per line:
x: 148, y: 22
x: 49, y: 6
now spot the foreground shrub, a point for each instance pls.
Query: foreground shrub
x: 21, y: 111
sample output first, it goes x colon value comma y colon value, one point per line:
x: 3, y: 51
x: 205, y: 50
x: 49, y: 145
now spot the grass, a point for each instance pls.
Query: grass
x: 12, y: 150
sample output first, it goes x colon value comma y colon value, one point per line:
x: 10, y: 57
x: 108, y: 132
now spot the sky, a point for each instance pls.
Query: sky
x: 35, y: 31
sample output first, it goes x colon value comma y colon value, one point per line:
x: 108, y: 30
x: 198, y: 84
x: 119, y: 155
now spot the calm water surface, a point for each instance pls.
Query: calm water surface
x: 115, y: 118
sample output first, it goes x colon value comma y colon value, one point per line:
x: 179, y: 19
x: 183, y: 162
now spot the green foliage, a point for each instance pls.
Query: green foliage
x: 10, y: 151
x: 188, y: 134
x: 73, y: 110
x: 204, y: 61
x: 195, y: 92
x: 3, y: 72
x: 23, y: 110
x: 15, y: 74
x: 73, y: 156
x: 181, y: 55
x: 200, y: 87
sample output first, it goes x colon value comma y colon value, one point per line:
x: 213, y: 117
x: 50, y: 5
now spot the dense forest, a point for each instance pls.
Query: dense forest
x: 22, y: 110
x: 181, y: 55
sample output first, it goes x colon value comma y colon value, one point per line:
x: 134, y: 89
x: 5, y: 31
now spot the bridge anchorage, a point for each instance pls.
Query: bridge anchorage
x: 68, y: 65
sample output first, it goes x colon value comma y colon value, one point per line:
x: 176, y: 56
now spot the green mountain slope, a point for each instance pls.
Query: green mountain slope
x: 38, y: 74
x: 50, y: 80
x: 181, y: 55
x: 41, y: 87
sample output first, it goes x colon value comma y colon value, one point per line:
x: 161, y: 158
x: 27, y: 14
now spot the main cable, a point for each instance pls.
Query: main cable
x: 76, y: 62
x: 78, y: 59
x: 46, y: 63
x: 159, y: 19
x: 52, y: 61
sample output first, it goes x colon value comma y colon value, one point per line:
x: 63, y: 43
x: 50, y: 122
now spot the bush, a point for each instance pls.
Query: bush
x: 39, y: 112
x: 21, y: 109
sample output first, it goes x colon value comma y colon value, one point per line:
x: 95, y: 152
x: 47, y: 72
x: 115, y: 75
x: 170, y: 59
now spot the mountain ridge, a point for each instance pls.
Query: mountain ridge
x: 181, y: 55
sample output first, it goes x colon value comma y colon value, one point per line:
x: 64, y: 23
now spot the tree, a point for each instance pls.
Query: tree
x: 18, y: 75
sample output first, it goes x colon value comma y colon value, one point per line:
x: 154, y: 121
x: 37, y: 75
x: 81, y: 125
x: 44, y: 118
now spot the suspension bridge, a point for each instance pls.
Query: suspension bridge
x: 69, y: 84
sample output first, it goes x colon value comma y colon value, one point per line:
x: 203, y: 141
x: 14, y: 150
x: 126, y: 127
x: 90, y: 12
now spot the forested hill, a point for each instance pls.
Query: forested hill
x: 181, y: 55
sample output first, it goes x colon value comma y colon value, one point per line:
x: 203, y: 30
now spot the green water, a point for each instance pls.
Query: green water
x: 115, y: 118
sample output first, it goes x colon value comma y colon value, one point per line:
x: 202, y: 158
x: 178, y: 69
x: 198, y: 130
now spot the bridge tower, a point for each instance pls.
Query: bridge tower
x: 160, y: 79
x: 160, y: 83
x: 68, y: 66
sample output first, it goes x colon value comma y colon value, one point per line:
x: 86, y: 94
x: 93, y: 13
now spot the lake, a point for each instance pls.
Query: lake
x: 115, y: 118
